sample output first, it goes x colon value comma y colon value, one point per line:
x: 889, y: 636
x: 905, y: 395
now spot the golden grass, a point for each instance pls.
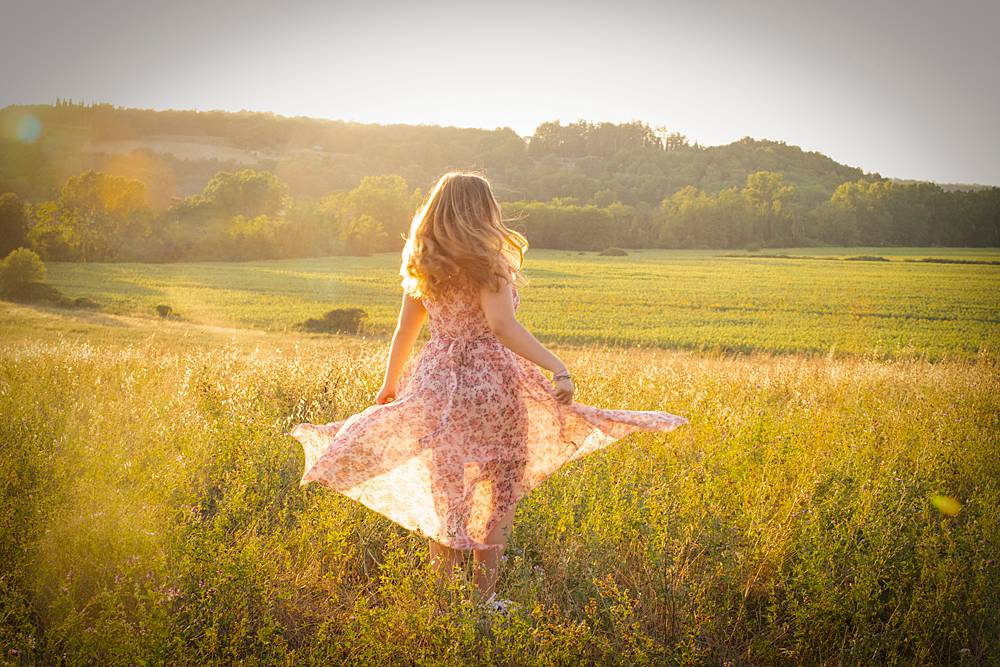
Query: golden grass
x: 152, y: 513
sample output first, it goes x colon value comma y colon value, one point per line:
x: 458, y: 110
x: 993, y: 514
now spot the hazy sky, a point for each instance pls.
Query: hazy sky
x: 909, y: 89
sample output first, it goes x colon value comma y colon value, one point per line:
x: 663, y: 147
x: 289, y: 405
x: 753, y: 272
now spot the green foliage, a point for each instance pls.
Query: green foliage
x: 582, y: 139
x: 317, y: 188
x: 13, y: 222
x: 96, y: 217
x: 244, y: 193
x: 346, y: 320
x: 322, y: 176
x: 20, y: 268
x: 562, y: 224
x: 362, y: 235
x: 374, y: 216
x: 84, y: 302
x: 22, y: 276
x: 255, y: 238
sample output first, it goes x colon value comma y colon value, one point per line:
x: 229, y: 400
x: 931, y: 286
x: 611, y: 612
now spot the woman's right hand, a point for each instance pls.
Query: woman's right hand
x: 386, y: 394
x: 564, y: 390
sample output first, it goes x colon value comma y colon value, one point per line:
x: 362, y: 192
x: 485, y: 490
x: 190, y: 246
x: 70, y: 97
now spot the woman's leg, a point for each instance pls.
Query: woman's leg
x: 486, y: 562
x: 444, y: 559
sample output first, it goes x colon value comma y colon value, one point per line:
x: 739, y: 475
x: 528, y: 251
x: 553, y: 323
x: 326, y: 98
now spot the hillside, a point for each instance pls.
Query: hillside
x: 100, y: 183
x: 176, y: 152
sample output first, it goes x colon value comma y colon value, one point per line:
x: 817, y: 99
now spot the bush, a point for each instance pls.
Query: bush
x: 343, y: 320
x: 20, y: 268
x: 165, y: 311
x: 36, y: 293
x: 613, y: 252
x: 84, y: 302
x: 22, y: 273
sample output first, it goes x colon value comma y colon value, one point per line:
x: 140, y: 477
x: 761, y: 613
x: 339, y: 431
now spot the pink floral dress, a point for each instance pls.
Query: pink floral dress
x: 473, y: 428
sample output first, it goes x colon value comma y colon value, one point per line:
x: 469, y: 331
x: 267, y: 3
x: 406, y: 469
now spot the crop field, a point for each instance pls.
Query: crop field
x: 698, y: 300
x: 833, y: 500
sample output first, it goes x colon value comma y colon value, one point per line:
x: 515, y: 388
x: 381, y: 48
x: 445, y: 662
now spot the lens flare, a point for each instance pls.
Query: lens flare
x: 29, y: 128
x: 946, y: 504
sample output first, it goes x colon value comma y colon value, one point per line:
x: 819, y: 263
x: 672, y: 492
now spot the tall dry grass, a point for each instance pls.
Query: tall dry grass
x: 151, y: 514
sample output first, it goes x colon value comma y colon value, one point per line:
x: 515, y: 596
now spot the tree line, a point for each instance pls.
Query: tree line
x: 250, y: 214
x: 596, y: 163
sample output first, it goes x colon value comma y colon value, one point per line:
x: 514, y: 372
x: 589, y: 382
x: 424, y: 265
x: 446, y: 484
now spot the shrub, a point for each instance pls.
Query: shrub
x: 36, y: 293
x: 867, y: 258
x: 163, y: 310
x: 20, y: 268
x: 613, y: 252
x: 344, y: 320
x: 84, y: 302
x: 22, y: 273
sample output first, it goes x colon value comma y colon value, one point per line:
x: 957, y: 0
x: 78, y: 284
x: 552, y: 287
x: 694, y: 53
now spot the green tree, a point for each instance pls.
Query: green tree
x: 246, y: 192
x: 385, y: 199
x: 255, y: 238
x: 767, y: 195
x: 832, y: 222
x: 13, y: 222
x: 362, y: 235
x: 866, y: 204
x: 47, y: 234
x: 97, y: 217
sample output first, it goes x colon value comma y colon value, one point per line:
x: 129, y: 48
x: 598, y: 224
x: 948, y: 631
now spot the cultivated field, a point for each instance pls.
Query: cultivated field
x: 821, y: 508
x: 699, y: 300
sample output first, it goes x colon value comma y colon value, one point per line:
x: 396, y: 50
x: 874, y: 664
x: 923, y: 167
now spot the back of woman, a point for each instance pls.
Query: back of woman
x: 465, y: 429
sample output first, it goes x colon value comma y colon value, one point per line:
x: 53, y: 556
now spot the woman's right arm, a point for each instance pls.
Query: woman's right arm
x: 499, y: 309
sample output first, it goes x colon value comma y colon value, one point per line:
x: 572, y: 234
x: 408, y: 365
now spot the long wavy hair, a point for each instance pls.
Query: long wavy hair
x: 458, y: 233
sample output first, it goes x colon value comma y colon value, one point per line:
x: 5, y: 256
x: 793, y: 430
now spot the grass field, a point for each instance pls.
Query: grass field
x: 819, y: 509
x: 672, y: 299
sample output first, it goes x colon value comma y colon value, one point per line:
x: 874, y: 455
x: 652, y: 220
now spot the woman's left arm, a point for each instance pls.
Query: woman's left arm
x: 411, y: 318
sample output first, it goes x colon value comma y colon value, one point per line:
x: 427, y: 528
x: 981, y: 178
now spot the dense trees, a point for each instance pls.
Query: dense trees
x: 248, y: 215
x: 13, y: 222
x: 179, y: 151
x: 327, y: 187
x: 243, y: 215
x: 96, y: 217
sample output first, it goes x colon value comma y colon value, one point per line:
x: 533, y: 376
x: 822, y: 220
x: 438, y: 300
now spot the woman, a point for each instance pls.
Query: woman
x: 461, y: 433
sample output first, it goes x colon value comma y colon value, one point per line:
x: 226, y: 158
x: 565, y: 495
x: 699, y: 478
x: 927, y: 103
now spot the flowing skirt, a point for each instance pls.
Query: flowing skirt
x: 473, y: 429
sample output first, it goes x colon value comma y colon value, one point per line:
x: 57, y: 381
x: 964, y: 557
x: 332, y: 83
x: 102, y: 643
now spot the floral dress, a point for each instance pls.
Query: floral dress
x: 474, y: 427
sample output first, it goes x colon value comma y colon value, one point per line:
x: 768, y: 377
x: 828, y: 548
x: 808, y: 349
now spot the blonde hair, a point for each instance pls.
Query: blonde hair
x: 459, y: 233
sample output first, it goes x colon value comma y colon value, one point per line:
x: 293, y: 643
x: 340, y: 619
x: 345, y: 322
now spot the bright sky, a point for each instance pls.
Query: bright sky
x: 906, y: 88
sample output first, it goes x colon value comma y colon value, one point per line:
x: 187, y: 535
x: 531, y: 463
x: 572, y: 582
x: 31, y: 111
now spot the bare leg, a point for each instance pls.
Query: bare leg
x: 486, y: 562
x: 444, y: 559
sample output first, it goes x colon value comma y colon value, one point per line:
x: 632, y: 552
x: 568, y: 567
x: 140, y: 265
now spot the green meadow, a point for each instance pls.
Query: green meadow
x: 833, y: 500
x: 699, y: 300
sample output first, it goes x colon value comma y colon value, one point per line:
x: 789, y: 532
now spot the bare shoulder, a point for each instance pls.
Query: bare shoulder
x: 499, y: 301
x: 412, y: 299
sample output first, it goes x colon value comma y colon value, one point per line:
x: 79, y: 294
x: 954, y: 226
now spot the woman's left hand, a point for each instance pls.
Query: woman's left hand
x: 386, y: 394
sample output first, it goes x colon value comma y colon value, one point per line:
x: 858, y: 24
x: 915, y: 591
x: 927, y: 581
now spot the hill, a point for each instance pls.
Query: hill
x: 43, y: 145
x: 103, y: 183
